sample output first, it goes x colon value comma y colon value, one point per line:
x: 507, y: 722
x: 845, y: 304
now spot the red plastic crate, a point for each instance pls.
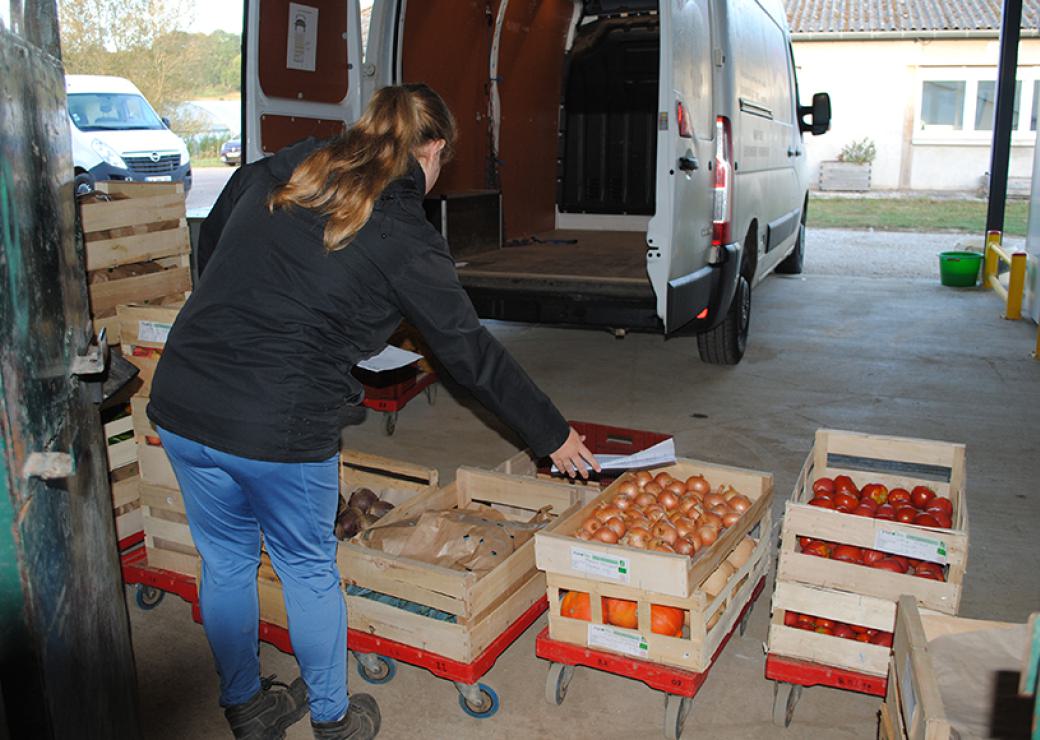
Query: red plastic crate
x: 602, y: 439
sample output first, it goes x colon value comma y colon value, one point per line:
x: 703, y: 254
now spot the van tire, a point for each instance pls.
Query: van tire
x: 792, y: 263
x: 725, y: 344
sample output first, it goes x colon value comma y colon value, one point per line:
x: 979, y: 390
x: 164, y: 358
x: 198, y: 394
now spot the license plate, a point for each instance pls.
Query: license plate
x: 159, y: 178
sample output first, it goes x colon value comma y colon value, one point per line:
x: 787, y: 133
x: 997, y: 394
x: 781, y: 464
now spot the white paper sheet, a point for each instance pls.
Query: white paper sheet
x: 390, y: 358
x: 662, y: 453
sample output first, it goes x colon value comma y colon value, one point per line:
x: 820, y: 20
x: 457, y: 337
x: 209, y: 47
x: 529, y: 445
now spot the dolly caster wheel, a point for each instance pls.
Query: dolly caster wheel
x: 148, y: 597
x: 477, y: 700
x: 375, y: 669
x: 785, y: 697
x: 676, y: 708
x: 390, y: 423
x: 556, y: 683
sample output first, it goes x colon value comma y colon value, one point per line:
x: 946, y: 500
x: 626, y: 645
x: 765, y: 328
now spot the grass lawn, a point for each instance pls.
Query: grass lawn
x: 207, y: 162
x: 916, y: 214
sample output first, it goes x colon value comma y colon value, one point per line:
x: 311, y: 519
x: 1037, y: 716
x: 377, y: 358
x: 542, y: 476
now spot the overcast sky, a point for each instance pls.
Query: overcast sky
x: 225, y: 15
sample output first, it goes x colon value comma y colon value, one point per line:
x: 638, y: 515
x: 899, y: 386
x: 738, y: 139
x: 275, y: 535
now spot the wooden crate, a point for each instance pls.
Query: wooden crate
x: 483, y: 606
x: 167, y: 537
x: 913, y: 708
x: 146, y: 326
x: 126, y: 501
x: 892, y: 461
x: 654, y: 572
x: 384, y: 475
x: 124, y: 452
x: 142, y: 224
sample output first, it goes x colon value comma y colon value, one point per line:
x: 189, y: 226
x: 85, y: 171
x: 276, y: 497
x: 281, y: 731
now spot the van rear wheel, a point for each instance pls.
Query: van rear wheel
x: 725, y: 344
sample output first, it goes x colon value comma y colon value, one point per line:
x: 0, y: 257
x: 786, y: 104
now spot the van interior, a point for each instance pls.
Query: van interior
x: 575, y: 171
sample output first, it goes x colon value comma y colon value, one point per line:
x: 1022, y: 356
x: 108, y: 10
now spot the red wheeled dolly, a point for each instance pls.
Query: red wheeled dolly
x: 792, y: 675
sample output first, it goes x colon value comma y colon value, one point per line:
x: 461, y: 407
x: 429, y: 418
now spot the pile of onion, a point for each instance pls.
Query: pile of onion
x: 664, y: 514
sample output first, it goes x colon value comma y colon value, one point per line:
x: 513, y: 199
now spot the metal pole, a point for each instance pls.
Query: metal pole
x: 1010, y: 27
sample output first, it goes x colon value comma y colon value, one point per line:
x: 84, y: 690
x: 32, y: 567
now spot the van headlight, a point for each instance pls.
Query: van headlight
x: 185, y: 157
x: 107, y: 153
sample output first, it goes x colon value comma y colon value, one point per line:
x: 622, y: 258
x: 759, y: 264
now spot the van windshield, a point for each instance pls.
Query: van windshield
x: 112, y: 112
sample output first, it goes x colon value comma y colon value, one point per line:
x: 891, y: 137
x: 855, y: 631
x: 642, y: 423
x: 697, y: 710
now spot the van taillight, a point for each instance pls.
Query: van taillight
x: 722, y: 213
x: 683, y: 121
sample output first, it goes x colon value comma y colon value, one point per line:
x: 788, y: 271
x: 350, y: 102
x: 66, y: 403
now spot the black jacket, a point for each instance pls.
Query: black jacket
x: 258, y: 361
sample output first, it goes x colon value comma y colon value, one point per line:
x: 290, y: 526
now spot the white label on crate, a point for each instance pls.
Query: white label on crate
x: 919, y: 546
x: 597, y: 565
x: 600, y: 635
x: 153, y: 331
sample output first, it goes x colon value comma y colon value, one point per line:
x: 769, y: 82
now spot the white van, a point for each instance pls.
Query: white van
x: 634, y: 164
x: 116, y: 135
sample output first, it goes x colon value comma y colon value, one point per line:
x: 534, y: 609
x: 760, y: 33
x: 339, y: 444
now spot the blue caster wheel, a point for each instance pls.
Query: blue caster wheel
x: 481, y: 703
x: 147, y: 597
x: 376, y: 669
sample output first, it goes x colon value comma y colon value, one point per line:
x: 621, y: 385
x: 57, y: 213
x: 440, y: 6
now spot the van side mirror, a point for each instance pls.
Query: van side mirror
x: 165, y: 121
x: 819, y: 113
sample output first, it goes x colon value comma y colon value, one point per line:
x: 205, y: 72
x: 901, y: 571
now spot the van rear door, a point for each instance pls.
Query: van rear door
x: 302, y: 72
x: 680, y: 233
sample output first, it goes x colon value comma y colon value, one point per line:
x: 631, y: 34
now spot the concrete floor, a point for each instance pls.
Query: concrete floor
x: 888, y: 355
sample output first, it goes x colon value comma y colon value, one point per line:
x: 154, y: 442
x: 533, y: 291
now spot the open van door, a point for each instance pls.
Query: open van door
x: 679, y: 237
x: 302, y: 72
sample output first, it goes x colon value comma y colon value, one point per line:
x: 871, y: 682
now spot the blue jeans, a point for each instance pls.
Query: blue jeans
x: 230, y: 500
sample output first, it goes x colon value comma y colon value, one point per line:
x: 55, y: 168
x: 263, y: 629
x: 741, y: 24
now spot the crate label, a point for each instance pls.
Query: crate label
x: 153, y: 331
x: 598, y: 565
x: 918, y: 546
x: 600, y: 635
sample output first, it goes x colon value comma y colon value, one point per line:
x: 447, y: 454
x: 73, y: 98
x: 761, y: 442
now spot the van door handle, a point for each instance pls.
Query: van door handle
x: 689, y: 163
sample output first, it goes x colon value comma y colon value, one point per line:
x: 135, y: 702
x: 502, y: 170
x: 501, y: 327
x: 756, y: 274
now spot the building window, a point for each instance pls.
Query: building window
x: 942, y: 103
x: 986, y: 105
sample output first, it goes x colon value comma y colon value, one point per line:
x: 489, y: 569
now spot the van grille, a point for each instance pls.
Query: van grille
x: 166, y: 163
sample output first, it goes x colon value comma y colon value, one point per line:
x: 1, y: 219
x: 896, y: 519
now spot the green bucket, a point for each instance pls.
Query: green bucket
x: 959, y: 269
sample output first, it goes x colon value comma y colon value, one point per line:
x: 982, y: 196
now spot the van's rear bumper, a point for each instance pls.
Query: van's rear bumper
x: 104, y: 171
x: 698, y: 302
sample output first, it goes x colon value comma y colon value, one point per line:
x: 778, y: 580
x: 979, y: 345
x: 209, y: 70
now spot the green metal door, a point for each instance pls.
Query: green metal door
x: 66, y: 666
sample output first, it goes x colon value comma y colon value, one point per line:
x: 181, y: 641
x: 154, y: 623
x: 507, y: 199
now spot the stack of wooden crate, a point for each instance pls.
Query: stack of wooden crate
x: 137, y: 252
x: 853, y: 593
x: 651, y: 578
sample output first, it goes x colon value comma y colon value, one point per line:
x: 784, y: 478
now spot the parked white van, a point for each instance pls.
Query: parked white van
x: 634, y: 164
x: 117, y: 135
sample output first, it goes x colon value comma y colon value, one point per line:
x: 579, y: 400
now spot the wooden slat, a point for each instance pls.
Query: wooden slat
x: 161, y: 497
x: 828, y: 650
x: 126, y: 250
x: 841, y: 606
x: 107, y: 295
x: 361, y: 469
x: 922, y: 705
x: 105, y: 216
x: 142, y: 425
x: 173, y: 561
x: 126, y: 491
x: 139, y: 189
x: 155, y: 466
x: 496, y: 488
x: 165, y: 530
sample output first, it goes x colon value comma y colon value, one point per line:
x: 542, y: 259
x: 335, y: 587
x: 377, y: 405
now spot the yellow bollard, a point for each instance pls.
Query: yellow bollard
x: 992, y: 258
x: 1016, y: 286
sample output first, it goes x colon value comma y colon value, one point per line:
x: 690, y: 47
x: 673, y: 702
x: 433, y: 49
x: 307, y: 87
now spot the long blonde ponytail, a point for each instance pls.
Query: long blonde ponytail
x: 343, y: 179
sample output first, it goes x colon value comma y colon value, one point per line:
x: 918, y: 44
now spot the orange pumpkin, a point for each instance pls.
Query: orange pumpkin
x: 620, y: 612
x: 576, y: 605
x: 666, y: 620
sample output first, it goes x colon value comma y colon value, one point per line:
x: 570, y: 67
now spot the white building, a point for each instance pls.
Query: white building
x: 917, y: 77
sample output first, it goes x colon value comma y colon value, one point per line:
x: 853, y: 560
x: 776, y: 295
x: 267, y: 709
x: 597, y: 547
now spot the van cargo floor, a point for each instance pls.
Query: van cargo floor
x: 598, y: 262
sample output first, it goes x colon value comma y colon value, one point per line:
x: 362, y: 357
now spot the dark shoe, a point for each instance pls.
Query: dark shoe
x: 360, y: 723
x: 269, y: 712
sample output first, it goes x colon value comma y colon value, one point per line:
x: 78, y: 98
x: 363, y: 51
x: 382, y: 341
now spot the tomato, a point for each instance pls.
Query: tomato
x: 575, y: 604
x: 898, y: 496
x: 806, y: 622
x: 885, y: 511
x: 791, y: 619
x: 921, y: 495
x: 878, y: 494
x: 904, y: 563
x: 858, y: 629
x: 906, y: 514
x: 824, y: 631
x: 803, y: 542
x: 152, y: 440
x: 844, y: 484
x: 940, y: 503
x: 882, y: 638
x: 666, y: 620
x: 824, y: 623
x: 926, y: 520
x: 844, y: 631
x: 872, y: 556
x: 863, y: 637
x: 869, y: 503
x: 819, y: 548
x: 933, y: 571
x: 862, y: 510
x: 848, y: 554
x: 621, y: 612
x: 824, y: 502
x: 889, y: 564
x: 823, y: 485
x: 944, y: 520
x: 846, y: 500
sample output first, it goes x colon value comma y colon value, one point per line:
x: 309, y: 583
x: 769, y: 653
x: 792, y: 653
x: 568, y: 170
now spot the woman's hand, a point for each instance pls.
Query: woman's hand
x: 573, y: 457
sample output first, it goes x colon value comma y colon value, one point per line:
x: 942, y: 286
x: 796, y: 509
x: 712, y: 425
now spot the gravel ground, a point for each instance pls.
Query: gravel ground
x: 907, y: 254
